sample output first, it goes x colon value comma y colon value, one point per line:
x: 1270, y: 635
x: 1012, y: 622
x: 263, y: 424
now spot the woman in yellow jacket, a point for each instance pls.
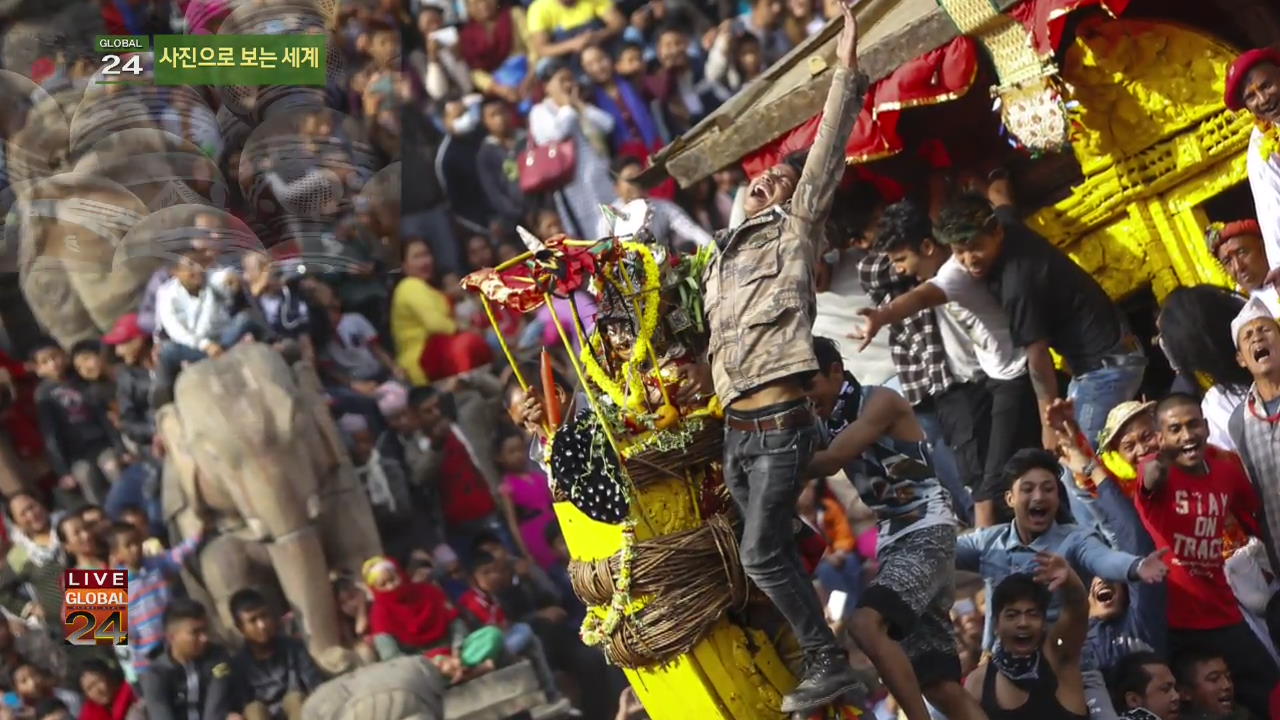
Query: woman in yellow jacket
x: 428, y: 344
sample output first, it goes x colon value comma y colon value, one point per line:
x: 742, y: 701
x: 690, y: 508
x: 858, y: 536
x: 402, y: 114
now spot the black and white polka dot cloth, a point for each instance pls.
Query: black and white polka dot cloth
x: 586, y: 470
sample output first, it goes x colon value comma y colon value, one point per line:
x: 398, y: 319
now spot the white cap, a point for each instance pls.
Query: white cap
x: 1254, y: 309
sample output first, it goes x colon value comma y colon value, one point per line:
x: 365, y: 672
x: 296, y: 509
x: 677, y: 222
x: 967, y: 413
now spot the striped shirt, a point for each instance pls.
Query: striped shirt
x: 149, y: 595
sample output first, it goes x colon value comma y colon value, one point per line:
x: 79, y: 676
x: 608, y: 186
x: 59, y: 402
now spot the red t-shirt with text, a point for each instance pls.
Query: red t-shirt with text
x: 1188, y: 514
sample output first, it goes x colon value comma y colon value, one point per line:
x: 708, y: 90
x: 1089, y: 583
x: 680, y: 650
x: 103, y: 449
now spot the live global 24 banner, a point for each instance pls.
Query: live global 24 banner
x: 95, y: 608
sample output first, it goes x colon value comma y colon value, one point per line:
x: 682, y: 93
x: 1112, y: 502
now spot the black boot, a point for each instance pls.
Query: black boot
x: 827, y: 678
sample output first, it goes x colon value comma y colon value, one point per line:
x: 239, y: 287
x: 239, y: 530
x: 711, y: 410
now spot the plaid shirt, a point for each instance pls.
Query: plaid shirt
x: 915, y: 344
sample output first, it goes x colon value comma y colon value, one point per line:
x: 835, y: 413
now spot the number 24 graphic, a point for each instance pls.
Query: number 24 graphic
x: 111, y: 628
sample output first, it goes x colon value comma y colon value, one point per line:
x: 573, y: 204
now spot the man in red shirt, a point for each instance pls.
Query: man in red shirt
x: 1187, y: 492
x: 445, y: 473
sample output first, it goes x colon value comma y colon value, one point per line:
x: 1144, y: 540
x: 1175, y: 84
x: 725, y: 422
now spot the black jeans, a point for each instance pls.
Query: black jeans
x: 965, y: 413
x: 1254, y: 673
x: 1015, y: 424
x: 762, y: 470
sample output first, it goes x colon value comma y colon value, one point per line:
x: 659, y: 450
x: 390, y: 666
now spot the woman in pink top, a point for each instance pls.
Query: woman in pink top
x: 529, y: 494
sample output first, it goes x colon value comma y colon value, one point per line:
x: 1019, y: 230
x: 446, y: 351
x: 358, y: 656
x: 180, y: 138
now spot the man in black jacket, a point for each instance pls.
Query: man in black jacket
x: 276, y: 671
x: 191, y: 678
x: 134, y: 380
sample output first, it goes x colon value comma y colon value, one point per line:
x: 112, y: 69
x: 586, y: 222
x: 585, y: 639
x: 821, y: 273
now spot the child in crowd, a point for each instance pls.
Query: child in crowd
x: 385, y: 482
x: 82, y: 446
x: 191, y: 677
x: 277, y: 670
x: 352, y: 601
x: 150, y: 592
x: 1206, y: 687
x: 106, y: 695
x: 528, y: 493
x: 559, y: 574
x: 481, y: 607
x: 137, y: 517
x: 95, y: 379
x: 35, y: 686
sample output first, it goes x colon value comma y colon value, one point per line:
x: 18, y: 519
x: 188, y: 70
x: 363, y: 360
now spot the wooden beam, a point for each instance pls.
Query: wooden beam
x: 795, y: 88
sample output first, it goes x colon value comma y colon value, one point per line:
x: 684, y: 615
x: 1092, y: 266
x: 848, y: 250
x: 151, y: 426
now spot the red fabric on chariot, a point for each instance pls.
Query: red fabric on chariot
x: 940, y: 75
x: 937, y: 76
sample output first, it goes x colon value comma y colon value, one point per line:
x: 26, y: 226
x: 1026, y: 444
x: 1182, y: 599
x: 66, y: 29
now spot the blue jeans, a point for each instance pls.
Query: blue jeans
x: 945, y: 467
x: 1096, y: 392
x: 521, y: 642
x: 173, y: 355
x: 847, y: 578
x: 137, y: 486
x: 762, y: 471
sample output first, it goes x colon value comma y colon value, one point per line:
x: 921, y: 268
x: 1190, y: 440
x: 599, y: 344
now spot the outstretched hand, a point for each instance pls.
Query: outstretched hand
x: 1052, y: 571
x: 874, y: 321
x: 847, y: 45
x: 1061, y: 416
x: 1153, y: 569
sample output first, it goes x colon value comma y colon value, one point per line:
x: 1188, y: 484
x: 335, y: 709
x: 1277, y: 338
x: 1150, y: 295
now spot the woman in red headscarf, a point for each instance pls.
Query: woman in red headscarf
x: 409, y: 617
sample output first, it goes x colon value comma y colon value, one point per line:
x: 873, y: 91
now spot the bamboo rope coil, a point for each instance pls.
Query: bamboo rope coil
x: 685, y: 582
x: 657, y: 464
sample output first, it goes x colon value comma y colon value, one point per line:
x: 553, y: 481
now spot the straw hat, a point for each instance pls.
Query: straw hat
x: 1119, y: 415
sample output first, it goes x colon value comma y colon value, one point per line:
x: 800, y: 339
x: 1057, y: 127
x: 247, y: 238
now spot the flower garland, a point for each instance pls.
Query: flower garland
x: 594, y: 629
x: 1270, y: 139
x: 650, y: 301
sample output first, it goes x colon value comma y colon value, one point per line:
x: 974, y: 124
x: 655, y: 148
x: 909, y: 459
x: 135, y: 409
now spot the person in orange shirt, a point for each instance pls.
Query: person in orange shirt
x: 841, y: 566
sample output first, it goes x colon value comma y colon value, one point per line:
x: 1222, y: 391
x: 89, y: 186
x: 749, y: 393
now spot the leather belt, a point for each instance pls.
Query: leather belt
x: 797, y: 417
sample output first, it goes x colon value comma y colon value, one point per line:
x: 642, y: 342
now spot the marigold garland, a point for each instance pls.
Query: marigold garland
x: 594, y: 629
x: 650, y: 301
x: 1270, y: 139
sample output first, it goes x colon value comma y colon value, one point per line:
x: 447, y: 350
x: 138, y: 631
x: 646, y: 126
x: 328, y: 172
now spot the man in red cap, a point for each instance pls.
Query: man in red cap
x: 134, y: 379
x: 1239, y: 247
x: 1253, y: 83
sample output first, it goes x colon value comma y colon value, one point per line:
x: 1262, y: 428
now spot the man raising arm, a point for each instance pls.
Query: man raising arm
x: 760, y: 297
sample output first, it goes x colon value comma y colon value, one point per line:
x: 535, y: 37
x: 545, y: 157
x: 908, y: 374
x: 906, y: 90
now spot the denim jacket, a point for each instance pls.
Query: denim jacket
x: 1142, y: 626
x: 997, y: 552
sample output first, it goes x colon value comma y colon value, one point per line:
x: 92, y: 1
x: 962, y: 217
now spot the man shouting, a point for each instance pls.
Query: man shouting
x: 760, y: 299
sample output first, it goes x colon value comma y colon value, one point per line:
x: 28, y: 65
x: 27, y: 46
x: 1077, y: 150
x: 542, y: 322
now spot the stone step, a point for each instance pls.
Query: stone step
x: 499, y: 695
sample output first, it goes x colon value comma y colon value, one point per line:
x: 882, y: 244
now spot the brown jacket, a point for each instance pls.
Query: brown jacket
x: 759, y: 288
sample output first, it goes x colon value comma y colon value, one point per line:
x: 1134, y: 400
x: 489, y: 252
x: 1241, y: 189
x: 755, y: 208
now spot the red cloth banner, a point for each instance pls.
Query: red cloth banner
x: 1047, y: 19
x: 938, y: 76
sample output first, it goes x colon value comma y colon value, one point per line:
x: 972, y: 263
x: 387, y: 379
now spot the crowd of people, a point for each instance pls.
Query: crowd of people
x: 1123, y: 548
x: 1010, y: 531
x: 457, y: 92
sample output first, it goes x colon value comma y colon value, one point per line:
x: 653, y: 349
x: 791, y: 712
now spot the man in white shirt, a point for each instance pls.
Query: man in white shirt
x: 193, y: 314
x: 669, y: 224
x: 967, y: 313
x: 1253, y: 84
